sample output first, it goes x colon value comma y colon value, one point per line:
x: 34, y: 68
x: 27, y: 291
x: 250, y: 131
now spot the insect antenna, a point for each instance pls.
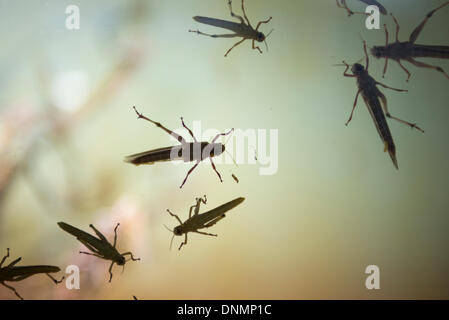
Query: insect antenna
x: 228, y: 138
x: 266, y: 45
x: 350, y: 64
x: 232, y: 157
x: 341, y: 65
x: 171, y: 241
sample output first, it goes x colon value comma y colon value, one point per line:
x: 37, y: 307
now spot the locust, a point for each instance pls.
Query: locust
x: 187, y: 151
x: 244, y: 29
x: 342, y: 4
x: 376, y: 103
x: 200, y: 221
x: 13, y: 273
x: 409, y: 50
x: 100, y: 247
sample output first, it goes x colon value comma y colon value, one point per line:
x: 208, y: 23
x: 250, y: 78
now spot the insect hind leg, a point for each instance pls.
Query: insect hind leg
x: 419, y: 28
x: 411, y: 125
x: 214, y: 221
x: 387, y: 113
x: 188, y: 173
x: 233, y: 14
x: 227, y: 35
x: 5, y: 257
x: 429, y: 66
x: 13, y: 289
x: 88, y: 246
x: 99, y: 234
x: 244, y: 14
x: 207, y: 234
x: 159, y: 125
x: 54, y: 280
x: 386, y: 44
x: 90, y: 254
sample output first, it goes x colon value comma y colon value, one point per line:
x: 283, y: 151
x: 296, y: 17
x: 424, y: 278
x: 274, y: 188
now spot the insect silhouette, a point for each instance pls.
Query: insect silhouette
x: 13, y: 273
x: 100, y: 247
x: 376, y: 103
x: 187, y: 151
x: 203, y: 220
x: 408, y: 50
x: 242, y: 29
x: 342, y: 4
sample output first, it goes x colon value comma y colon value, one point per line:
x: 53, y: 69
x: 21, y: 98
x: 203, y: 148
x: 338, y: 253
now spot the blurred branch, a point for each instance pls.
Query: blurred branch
x: 56, y: 124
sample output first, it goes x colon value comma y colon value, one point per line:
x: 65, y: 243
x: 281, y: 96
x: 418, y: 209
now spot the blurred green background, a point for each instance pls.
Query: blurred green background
x: 335, y: 206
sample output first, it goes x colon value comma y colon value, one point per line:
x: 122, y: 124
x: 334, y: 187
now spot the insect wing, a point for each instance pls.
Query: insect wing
x: 233, y: 26
x: 212, y: 214
x: 156, y: 155
x: 28, y: 271
x: 82, y: 235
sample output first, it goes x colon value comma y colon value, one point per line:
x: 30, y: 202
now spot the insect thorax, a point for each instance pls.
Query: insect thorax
x: 196, y: 151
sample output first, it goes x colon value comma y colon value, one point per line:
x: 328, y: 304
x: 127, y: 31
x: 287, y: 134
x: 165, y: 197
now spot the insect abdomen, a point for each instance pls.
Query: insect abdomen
x: 219, y: 23
x: 430, y: 51
x: 157, y: 155
x: 226, y: 207
x: 80, y: 234
x: 380, y: 121
x: 23, y: 270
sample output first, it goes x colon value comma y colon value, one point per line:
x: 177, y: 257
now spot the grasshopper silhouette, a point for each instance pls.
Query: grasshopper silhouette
x: 409, y: 50
x: 376, y: 103
x: 187, y: 151
x: 13, y: 273
x: 100, y: 246
x: 242, y: 29
x: 203, y: 220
